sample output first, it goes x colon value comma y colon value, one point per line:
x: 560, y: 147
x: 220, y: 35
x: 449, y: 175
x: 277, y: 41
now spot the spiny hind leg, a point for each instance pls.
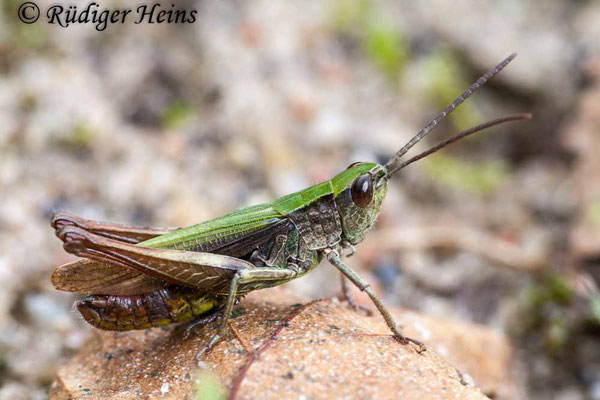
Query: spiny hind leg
x: 203, y: 320
x: 241, y: 277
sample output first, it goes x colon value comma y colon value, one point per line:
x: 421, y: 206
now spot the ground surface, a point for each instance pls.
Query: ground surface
x: 281, y: 349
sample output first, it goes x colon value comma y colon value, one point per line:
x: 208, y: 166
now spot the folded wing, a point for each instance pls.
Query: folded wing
x: 113, y: 270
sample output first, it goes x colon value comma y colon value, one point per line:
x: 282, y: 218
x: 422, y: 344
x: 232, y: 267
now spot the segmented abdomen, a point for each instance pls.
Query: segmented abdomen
x: 158, y: 308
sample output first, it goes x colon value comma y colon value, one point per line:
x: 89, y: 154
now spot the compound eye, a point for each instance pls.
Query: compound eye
x: 362, y: 190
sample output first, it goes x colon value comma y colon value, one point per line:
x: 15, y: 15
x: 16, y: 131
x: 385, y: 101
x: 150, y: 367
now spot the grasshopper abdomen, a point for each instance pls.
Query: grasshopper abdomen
x: 158, y: 308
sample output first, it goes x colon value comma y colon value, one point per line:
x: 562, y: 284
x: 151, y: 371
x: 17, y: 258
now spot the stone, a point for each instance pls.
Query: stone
x: 281, y: 346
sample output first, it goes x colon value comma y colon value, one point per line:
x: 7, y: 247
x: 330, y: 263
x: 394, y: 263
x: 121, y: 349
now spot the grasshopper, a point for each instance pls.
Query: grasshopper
x: 146, y: 277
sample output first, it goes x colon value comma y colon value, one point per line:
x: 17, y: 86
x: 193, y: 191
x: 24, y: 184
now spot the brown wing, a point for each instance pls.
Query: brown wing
x: 117, y: 278
x: 205, y: 271
x: 122, y: 233
x: 89, y: 276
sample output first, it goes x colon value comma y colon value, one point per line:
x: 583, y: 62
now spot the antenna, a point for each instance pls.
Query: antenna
x: 463, y: 134
x: 392, y: 165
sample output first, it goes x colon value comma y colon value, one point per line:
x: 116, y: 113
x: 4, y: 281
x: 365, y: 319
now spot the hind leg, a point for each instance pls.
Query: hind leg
x: 242, y: 277
x: 201, y: 321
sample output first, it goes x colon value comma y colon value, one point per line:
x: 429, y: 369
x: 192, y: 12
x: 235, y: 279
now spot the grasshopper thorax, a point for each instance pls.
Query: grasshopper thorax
x: 359, y: 192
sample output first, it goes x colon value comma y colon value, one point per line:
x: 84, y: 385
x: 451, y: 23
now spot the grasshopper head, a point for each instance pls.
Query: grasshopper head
x: 359, y: 192
x: 360, y: 189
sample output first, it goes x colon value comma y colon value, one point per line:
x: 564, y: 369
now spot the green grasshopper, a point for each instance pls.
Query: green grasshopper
x: 146, y: 277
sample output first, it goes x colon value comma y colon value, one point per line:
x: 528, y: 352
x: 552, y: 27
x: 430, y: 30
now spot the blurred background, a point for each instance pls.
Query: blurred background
x: 170, y: 125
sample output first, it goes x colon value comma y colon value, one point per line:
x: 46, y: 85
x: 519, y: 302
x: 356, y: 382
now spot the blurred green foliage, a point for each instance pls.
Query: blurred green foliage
x: 208, y: 387
x: 553, y: 288
x: 23, y: 36
x: 29, y: 36
x: 548, y: 310
x: 446, y: 82
x: 175, y: 115
x: 475, y: 177
x: 380, y: 41
x: 384, y: 45
x: 4, y: 369
x: 557, y: 333
x: 79, y: 138
x: 595, y: 308
x: 595, y: 213
x: 555, y: 311
x: 386, y: 49
x: 350, y: 14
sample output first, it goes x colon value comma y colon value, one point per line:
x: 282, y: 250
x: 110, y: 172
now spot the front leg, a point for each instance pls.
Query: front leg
x: 345, y: 295
x: 334, y: 258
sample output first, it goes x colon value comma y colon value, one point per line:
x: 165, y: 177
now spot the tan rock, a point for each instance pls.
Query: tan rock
x: 278, y: 350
